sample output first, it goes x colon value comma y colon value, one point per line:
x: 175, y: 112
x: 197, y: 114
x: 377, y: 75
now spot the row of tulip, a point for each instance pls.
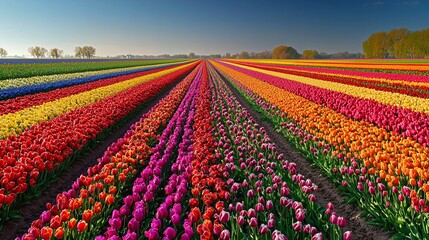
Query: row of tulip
x: 22, y: 102
x: 155, y: 204
x: 35, y: 155
x: 18, y: 87
x: 15, y: 123
x: 388, y: 98
x: 420, y: 68
x: 409, y: 79
x: 264, y: 197
x: 399, y: 120
x: 400, y: 209
x: 392, y: 157
x: 24, y: 68
x: 82, y: 212
x: 416, y: 89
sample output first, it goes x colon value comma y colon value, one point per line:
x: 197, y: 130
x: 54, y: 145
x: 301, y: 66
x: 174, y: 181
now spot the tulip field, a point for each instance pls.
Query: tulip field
x: 215, y: 149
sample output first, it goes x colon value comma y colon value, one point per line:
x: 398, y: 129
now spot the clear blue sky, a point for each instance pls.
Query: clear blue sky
x: 201, y: 26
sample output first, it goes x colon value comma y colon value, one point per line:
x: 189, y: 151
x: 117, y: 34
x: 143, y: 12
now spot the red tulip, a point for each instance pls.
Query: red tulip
x: 59, y: 233
x: 87, y: 215
x: 72, y: 223
x: 46, y: 232
x: 82, y: 226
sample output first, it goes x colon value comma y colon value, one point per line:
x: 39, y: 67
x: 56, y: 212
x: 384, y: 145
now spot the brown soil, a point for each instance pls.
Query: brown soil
x: 31, y: 211
x: 327, y: 192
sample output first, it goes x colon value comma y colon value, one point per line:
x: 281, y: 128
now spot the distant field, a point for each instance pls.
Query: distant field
x: 406, y: 66
x: 63, y: 60
x: 29, y: 68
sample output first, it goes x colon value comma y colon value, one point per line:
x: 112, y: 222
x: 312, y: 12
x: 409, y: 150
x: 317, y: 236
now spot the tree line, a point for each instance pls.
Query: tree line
x: 41, y: 52
x: 288, y: 52
x: 398, y: 43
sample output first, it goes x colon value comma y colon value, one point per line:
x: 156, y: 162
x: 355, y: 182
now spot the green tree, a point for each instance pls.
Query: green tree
x: 243, y: 54
x: 3, y: 52
x: 55, y: 53
x: 191, y: 55
x: 279, y: 52
x: 86, y: 51
x: 375, y: 45
x: 284, y: 52
x: 37, y: 52
x: 417, y: 45
x: 310, y: 54
x: 395, y: 42
x: 78, y: 52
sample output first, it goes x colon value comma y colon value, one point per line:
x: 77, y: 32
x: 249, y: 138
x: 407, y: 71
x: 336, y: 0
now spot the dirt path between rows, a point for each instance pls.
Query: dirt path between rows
x: 327, y: 191
x: 31, y: 211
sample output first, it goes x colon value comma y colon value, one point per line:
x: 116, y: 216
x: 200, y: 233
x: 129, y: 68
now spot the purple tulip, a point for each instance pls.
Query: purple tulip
x: 170, y: 233
x: 185, y: 236
x: 138, y: 214
x: 128, y: 200
x: 156, y: 223
x: 130, y: 236
x: 133, y: 225
x: 175, y: 219
x: 116, y: 223
x: 124, y: 210
x: 152, y: 234
x: 161, y: 213
x: 45, y: 216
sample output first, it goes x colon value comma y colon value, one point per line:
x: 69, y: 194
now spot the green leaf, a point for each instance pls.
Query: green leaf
x: 377, y: 222
x: 15, y: 215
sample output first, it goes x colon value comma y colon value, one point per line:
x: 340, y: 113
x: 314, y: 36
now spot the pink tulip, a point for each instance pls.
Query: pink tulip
x: 341, y: 221
x: 317, y: 236
x: 347, y: 235
x: 300, y: 214
x: 297, y: 226
x: 225, y: 235
x: 240, y: 220
x: 224, y: 216
x: 271, y: 223
x: 253, y: 222
x: 263, y: 229
x: 333, y: 219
